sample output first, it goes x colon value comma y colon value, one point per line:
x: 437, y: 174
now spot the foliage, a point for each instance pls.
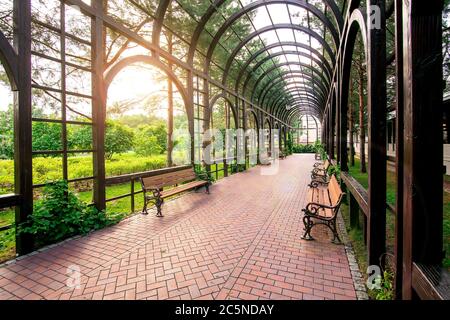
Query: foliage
x: 300, y: 148
x: 49, y: 169
x: 150, y: 140
x: 290, y: 144
x: 7, y: 134
x: 385, y: 290
x: 60, y: 215
x: 336, y: 170
x: 118, y: 139
x: 201, y: 171
x: 320, y: 149
x: 47, y: 136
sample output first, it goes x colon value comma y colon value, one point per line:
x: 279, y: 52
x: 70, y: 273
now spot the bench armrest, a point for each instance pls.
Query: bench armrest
x: 317, y: 183
x: 318, y: 164
x: 313, y: 207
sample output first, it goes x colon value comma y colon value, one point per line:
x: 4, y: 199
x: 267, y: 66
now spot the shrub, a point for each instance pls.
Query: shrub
x: 60, y: 215
x: 336, y: 170
x: 385, y: 288
x: 300, y: 148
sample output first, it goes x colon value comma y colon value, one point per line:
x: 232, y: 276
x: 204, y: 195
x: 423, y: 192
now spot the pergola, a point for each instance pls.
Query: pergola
x: 270, y: 82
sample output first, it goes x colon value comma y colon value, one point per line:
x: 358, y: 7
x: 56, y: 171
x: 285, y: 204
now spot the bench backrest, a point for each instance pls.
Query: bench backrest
x: 326, y: 164
x: 334, y: 190
x: 168, y: 179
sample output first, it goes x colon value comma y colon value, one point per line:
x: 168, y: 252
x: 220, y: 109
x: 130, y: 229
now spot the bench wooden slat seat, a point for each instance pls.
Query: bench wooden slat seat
x: 323, y: 206
x: 182, y: 180
x: 320, y: 171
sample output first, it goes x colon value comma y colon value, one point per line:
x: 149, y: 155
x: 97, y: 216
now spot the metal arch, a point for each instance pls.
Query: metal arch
x: 292, y: 116
x: 290, y: 74
x: 271, y: 70
x: 306, y: 92
x: 297, y: 83
x: 260, y: 63
x: 255, y: 116
x: 110, y: 74
x: 277, y: 66
x: 356, y: 25
x: 296, y: 112
x: 291, y: 93
x: 258, y: 32
x: 277, y: 87
x: 294, y: 103
x: 267, y: 120
x: 281, y: 80
x: 214, y: 101
x: 9, y: 60
x: 218, y: 3
x: 159, y: 20
x: 357, y: 22
x: 264, y: 50
x: 254, y: 5
x: 292, y: 96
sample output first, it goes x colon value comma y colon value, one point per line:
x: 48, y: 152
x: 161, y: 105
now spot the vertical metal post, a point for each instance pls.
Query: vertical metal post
x: 376, y: 74
x: 398, y: 245
x: 99, y: 105
x: 422, y: 137
x: 22, y: 122
x: 354, y: 212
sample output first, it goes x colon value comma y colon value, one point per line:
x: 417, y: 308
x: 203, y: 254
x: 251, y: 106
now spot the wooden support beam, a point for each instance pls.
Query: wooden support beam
x: 422, y: 137
x: 376, y: 97
x: 22, y: 121
x: 398, y: 245
x: 99, y: 105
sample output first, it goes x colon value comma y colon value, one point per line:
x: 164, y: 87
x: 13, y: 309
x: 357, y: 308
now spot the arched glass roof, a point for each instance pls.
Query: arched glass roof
x: 278, y: 54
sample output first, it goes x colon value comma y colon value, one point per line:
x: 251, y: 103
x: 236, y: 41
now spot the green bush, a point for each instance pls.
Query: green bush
x: 60, y: 215
x: 300, y: 148
x: 385, y: 289
x: 50, y: 169
x: 320, y: 149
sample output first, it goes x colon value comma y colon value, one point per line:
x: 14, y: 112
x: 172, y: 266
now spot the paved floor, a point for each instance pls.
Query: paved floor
x: 240, y: 242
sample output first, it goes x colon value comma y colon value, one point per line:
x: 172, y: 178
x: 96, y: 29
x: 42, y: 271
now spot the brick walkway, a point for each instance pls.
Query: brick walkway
x: 240, y: 242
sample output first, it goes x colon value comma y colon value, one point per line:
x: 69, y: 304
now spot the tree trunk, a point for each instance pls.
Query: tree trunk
x: 351, y: 129
x: 170, y: 111
x: 362, y: 131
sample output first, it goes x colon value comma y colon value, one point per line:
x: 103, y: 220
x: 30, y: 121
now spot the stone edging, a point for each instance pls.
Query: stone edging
x: 358, y: 279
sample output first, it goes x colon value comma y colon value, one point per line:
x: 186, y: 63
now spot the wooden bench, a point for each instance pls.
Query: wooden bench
x: 323, y: 206
x: 320, y: 171
x: 183, y: 180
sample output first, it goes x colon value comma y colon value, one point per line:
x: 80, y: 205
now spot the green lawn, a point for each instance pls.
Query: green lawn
x: 123, y: 206
x: 357, y: 235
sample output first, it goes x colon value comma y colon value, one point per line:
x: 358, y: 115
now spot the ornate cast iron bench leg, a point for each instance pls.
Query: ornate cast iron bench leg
x: 308, y: 223
x: 159, y: 202
x: 144, y: 210
x: 332, y: 225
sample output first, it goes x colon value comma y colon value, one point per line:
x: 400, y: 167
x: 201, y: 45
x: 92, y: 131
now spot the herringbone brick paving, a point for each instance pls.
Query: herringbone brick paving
x: 240, y: 242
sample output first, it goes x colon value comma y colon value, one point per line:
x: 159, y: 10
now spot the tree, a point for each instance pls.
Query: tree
x: 7, y: 133
x: 118, y: 139
x: 150, y: 140
x: 47, y: 136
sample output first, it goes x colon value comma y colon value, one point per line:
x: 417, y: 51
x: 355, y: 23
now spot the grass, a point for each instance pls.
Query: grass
x: 122, y: 206
x: 357, y: 236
